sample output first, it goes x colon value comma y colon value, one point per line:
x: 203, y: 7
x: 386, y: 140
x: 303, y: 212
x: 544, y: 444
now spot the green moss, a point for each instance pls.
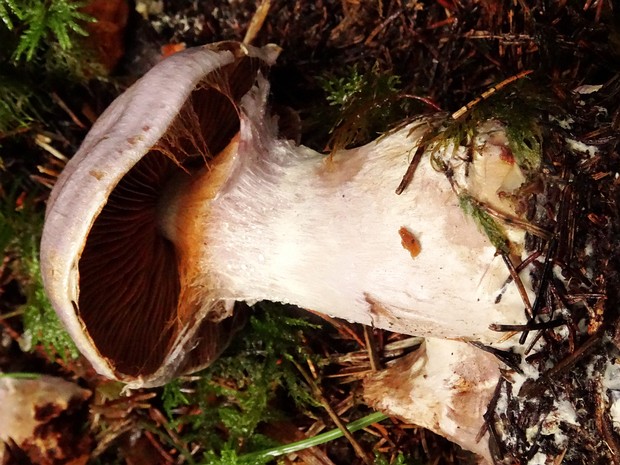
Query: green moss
x: 519, y: 109
x: 243, y: 388
x: 39, y: 54
x: 41, y: 51
x: 367, y: 104
x: 20, y: 233
x: 15, y: 103
x: 41, y: 22
x: 8, y: 11
x: 229, y: 456
x: 491, y: 228
x: 173, y: 397
x: 524, y: 140
x: 342, y: 91
x: 43, y: 327
x: 400, y: 459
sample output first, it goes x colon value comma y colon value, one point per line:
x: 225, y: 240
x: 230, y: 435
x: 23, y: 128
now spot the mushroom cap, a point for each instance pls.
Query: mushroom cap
x: 112, y: 275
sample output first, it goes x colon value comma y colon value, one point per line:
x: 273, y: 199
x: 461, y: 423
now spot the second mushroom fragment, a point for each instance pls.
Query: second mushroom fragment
x: 183, y: 200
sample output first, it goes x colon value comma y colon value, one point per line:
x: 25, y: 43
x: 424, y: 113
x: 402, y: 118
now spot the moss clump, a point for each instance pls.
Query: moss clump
x: 245, y: 388
x: 20, y: 233
x: 41, y: 56
x: 16, y: 108
x: 42, y: 22
x: 367, y: 104
x: 522, y: 119
x: 42, y: 51
x: 520, y: 110
x: 493, y: 230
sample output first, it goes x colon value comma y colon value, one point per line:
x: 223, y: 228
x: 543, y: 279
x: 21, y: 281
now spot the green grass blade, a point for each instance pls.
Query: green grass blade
x: 313, y: 441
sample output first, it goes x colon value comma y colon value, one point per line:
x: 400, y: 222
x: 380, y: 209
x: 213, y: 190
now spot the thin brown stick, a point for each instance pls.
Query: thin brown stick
x: 514, y: 274
x: 257, y: 21
x: 14, y: 132
x: 158, y: 447
x: 381, y: 26
x: 58, y: 101
x: 343, y: 328
x: 369, y: 337
x: 573, y: 358
x: 513, y: 220
x: 487, y: 93
x: 415, y: 161
x: 602, y: 423
x: 318, y: 393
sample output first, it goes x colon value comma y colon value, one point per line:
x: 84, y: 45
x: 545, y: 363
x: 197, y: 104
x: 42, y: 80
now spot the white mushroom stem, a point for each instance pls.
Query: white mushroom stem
x: 445, y: 386
x: 275, y: 221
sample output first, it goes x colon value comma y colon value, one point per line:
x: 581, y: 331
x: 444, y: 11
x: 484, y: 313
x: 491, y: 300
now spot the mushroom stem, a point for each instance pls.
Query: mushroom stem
x: 287, y: 224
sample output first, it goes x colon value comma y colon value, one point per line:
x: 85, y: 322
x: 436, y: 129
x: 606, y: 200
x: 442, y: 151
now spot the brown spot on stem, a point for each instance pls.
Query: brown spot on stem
x: 134, y: 139
x: 337, y: 170
x: 377, y: 310
x: 409, y: 242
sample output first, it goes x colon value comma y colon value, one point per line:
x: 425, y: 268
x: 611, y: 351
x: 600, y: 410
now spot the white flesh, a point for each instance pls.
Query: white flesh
x: 290, y: 225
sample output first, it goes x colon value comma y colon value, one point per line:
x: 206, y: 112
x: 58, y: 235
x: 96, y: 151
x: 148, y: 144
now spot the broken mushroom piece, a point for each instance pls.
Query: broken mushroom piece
x: 445, y: 386
x: 182, y: 200
x: 43, y: 418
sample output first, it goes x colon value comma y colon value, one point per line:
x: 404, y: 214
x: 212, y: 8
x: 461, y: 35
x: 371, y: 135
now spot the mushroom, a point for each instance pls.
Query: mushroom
x: 183, y: 200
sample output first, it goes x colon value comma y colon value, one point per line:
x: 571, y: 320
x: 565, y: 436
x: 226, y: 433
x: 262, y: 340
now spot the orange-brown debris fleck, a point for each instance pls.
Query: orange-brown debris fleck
x: 409, y: 242
x: 506, y: 156
x: 170, y: 49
